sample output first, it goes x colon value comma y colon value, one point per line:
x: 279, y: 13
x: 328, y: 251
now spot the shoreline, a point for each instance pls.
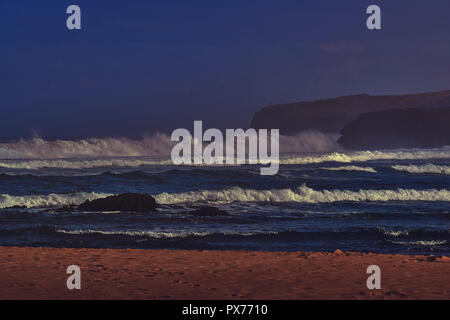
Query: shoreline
x: 40, y: 273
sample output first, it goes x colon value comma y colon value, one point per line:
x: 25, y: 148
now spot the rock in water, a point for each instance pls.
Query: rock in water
x: 125, y: 202
x: 208, y: 212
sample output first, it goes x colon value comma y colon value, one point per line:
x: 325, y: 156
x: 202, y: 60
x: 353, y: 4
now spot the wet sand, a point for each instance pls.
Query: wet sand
x: 40, y: 273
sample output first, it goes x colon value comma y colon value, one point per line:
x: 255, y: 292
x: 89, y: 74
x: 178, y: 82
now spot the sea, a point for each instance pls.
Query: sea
x: 386, y: 201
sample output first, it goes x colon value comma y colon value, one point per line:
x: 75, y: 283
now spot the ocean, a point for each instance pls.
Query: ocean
x: 395, y: 201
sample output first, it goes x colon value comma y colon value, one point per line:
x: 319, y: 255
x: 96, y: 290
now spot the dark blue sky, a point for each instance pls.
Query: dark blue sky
x: 138, y: 66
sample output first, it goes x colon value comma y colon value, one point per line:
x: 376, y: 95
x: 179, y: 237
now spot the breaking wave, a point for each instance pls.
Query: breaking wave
x: 48, y: 201
x: 444, y: 153
x: 362, y: 156
x: 430, y: 243
x: 80, y: 164
x: 162, y: 234
x: 158, y: 145
x: 303, y: 194
x: 427, y: 168
x: 151, y: 234
x: 352, y: 168
x: 37, y: 153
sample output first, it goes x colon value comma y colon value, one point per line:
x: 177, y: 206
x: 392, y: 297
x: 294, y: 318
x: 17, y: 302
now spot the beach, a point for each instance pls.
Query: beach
x: 40, y: 273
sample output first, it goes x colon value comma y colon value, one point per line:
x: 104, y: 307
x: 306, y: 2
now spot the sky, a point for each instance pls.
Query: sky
x: 137, y: 67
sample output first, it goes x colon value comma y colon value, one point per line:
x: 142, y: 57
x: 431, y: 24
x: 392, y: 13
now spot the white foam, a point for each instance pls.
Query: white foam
x: 37, y: 148
x: 48, y: 201
x: 157, y: 145
x: 395, y: 233
x: 427, y: 168
x: 80, y: 164
x: 362, y: 156
x: 151, y: 234
x: 351, y: 168
x: 37, y: 153
x: 430, y: 243
x: 302, y: 194
x: 160, y: 234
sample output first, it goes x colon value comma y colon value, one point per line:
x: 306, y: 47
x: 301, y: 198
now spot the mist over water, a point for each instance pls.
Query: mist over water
x: 157, y: 145
x: 38, y: 148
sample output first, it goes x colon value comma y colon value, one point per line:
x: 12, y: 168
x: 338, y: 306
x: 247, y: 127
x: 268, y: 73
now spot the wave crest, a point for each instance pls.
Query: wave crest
x: 303, y: 194
x: 80, y: 164
x: 427, y: 168
x: 363, y: 156
x: 37, y: 148
x: 48, y: 201
x: 351, y: 168
x: 157, y: 145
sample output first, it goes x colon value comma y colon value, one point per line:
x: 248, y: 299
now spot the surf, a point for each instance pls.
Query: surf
x: 302, y: 194
x: 425, y: 169
x: 48, y: 201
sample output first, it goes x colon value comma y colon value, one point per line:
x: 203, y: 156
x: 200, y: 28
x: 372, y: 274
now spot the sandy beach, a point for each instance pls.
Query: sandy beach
x: 40, y: 273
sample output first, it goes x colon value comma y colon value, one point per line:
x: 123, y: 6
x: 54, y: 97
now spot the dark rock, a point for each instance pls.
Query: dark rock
x: 405, y: 128
x: 124, y: 202
x: 208, y: 212
x: 331, y: 115
x: 64, y: 209
x: 18, y: 207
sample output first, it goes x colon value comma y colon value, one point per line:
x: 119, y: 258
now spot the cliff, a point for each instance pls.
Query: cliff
x: 405, y: 128
x: 331, y: 115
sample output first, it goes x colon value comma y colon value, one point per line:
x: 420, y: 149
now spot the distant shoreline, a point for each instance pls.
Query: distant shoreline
x: 40, y: 273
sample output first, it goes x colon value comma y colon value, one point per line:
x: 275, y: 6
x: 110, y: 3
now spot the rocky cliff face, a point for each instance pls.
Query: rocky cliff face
x: 405, y: 128
x: 331, y: 115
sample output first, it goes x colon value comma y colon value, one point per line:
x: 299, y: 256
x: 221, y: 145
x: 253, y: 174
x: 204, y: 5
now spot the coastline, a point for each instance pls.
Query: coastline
x: 40, y: 273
